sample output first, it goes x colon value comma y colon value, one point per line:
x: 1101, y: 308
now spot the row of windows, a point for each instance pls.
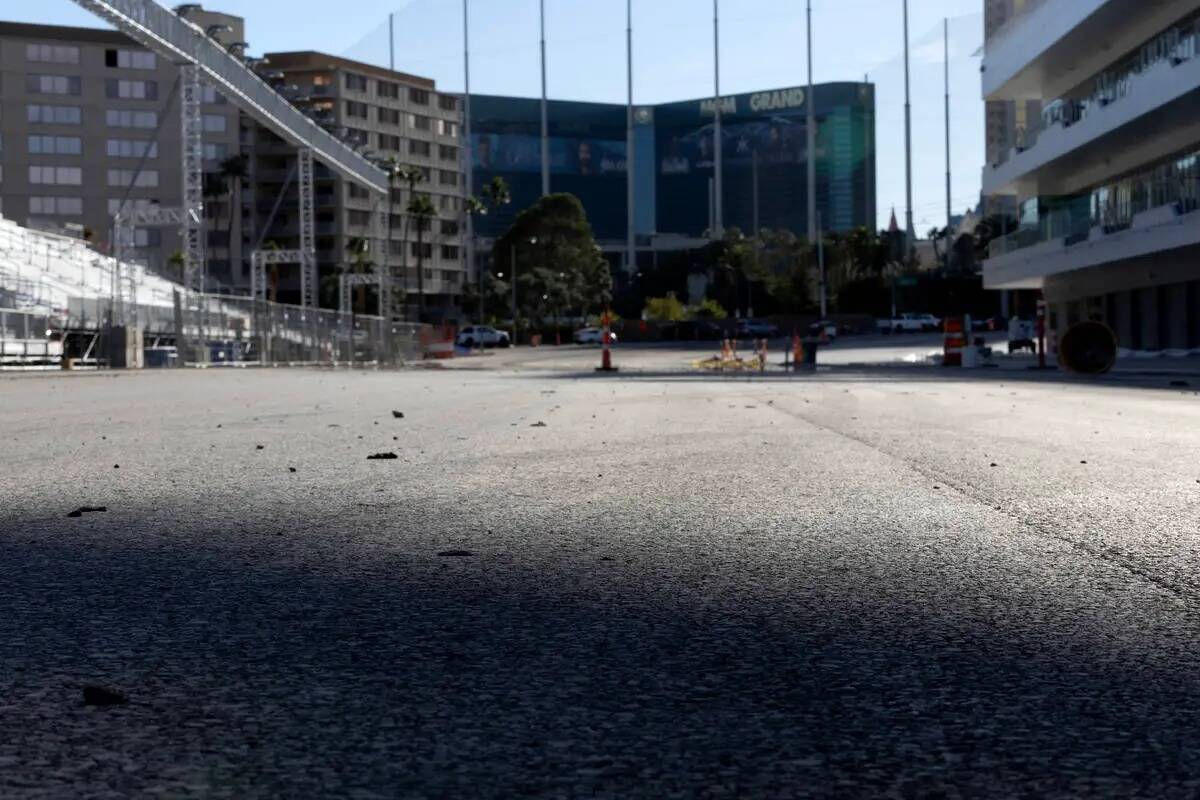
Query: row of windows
x: 132, y: 148
x: 391, y: 91
x: 56, y: 206
x: 425, y: 250
x: 113, y: 117
x: 53, y: 84
x: 130, y: 90
x: 55, y: 146
x: 392, y: 116
x: 146, y: 179
x: 52, y: 54
x: 42, y: 175
x: 69, y: 54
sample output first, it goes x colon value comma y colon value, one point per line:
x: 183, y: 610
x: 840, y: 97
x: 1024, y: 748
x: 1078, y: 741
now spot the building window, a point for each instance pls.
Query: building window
x: 130, y: 59
x: 387, y: 89
x: 447, y: 128
x: 418, y: 122
x: 448, y: 203
x: 389, y: 116
x: 215, y: 151
x: 447, y: 102
x: 356, y: 109
x: 146, y: 179
x: 131, y: 148
x: 52, y: 54
x: 210, y: 95
x: 358, y: 218
x: 449, y: 252
x: 56, y: 206
x: 448, y: 152
x: 55, y: 146
x: 449, y: 227
x: 124, y: 118
x: 389, y: 142
x: 356, y: 83
x: 447, y: 178
x: 55, y: 176
x: 215, y: 123
x: 357, y: 136
x: 147, y: 237
x: 424, y: 251
x: 419, y: 97
x: 54, y: 115
x: 418, y: 148
x: 130, y: 90
x: 357, y: 192
x: 53, y: 84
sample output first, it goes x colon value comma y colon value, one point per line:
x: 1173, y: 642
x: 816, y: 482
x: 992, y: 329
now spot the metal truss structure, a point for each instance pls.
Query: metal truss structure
x: 192, y: 220
x: 352, y: 280
x: 201, y: 59
x: 308, y: 233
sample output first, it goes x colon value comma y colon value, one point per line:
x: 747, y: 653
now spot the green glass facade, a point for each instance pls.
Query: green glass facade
x: 764, y: 152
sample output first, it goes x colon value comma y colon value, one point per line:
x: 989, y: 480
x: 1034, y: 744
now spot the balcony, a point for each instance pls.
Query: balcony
x: 1121, y: 224
x: 1113, y: 99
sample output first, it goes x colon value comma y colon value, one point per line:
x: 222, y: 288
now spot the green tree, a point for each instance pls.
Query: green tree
x: 559, y: 266
x: 664, y: 309
x: 709, y: 309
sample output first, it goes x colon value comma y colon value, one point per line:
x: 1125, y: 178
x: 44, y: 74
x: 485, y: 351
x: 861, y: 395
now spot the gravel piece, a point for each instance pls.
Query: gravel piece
x: 383, y: 457
x: 102, y: 697
x: 397, y: 415
x: 79, y: 512
x: 455, y: 553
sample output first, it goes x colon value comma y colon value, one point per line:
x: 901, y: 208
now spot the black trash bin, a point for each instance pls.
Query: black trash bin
x: 809, y: 362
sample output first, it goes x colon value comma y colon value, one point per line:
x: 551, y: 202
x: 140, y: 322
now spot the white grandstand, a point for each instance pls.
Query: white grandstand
x: 58, y: 296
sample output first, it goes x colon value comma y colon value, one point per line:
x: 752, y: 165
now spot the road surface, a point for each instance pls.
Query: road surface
x: 857, y: 584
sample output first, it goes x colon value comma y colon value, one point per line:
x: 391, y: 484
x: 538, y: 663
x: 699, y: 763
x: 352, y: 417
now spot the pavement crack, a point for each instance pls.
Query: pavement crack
x: 1181, y: 591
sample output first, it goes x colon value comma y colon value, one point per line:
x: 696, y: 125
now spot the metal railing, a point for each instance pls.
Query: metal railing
x: 1112, y: 210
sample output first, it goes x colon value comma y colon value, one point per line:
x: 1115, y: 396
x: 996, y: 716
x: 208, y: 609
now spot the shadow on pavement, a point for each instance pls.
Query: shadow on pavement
x: 255, y: 669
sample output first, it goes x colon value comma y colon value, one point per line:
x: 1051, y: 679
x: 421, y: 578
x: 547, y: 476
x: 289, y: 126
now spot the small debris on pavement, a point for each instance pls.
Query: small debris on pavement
x: 260, y: 447
x: 455, y: 553
x: 79, y: 512
x: 99, y: 696
x: 383, y: 457
x: 1082, y: 462
x: 291, y: 469
x: 994, y: 464
x: 538, y: 425
x: 116, y: 466
x: 397, y: 415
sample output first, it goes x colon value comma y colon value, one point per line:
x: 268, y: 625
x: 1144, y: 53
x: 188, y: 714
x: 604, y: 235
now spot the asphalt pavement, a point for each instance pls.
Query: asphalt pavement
x: 863, y: 583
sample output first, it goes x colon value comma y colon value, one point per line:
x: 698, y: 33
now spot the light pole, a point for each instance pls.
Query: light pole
x: 718, y: 206
x: 545, y: 109
x: 909, y: 236
x: 811, y: 132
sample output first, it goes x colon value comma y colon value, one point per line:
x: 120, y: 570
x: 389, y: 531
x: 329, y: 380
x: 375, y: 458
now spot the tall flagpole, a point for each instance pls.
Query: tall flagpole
x: 949, y: 211
x: 545, y: 110
x: 630, y: 199
x: 910, y: 233
x: 469, y: 158
x: 718, y: 202
x: 811, y: 125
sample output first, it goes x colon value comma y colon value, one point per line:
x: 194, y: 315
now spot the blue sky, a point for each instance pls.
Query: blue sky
x: 762, y: 46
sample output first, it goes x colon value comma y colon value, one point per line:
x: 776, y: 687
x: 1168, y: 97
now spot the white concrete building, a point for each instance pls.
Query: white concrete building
x: 1093, y: 111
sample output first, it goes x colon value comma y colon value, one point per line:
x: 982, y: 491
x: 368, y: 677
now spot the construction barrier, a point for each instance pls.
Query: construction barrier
x: 606, y: 364
x: 437, y: 342
x: 956, y: 340
x: 1089, y: 348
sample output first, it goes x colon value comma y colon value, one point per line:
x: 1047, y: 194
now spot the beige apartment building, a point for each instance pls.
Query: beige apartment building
x: 90, y: 120
x: 390, y: 117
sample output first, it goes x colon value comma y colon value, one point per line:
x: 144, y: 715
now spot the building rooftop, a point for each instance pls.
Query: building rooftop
x: 310, y: 59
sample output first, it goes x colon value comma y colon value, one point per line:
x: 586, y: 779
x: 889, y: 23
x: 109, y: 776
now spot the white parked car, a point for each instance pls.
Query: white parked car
x: 482, y: 336
x: 593, y: 336
x: 910, y: 323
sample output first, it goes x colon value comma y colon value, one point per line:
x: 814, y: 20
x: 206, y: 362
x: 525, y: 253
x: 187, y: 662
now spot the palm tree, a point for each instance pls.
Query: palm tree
x: 494, y: 195
x: 420, y: 209
x: 411, y: 176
